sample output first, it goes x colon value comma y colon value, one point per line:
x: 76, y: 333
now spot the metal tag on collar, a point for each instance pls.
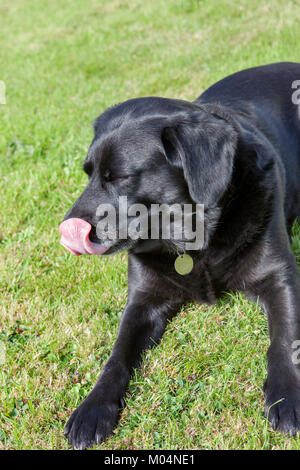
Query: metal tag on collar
x: 184, y: 264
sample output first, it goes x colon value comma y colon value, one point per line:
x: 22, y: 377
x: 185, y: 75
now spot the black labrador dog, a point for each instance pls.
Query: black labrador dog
x: 236, y: 150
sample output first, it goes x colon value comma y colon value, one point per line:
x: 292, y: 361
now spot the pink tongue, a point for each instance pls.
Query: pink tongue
x: 75, y: 237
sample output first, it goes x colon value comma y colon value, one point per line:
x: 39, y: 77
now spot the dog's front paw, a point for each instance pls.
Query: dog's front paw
x: 91, y: 423
x: 283, y: 409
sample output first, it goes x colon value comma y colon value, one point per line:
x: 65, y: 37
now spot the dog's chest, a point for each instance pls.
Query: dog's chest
x: 196, y: 286
x: 158, y: 275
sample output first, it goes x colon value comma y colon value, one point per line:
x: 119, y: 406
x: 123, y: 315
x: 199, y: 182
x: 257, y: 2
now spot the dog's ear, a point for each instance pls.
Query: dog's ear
x: 203, y: 144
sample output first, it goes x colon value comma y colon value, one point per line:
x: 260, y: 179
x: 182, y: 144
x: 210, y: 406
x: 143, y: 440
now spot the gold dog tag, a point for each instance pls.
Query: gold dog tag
x: 184, y: 264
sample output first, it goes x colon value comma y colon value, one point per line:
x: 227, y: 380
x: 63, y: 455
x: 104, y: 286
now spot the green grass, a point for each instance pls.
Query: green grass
x: 63, y: 63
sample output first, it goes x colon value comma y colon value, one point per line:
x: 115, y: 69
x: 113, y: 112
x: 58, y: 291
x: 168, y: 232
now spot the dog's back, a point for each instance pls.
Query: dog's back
x: 267, y: 99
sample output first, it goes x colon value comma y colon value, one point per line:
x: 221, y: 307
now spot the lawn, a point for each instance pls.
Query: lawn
x: 63, y: 63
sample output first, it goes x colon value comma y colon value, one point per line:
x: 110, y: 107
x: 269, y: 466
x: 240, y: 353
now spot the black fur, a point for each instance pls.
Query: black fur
x: 237, y: 150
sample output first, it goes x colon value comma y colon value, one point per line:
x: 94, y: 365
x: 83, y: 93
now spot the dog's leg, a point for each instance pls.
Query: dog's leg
x: 142, y: 326
x: 279, y: 294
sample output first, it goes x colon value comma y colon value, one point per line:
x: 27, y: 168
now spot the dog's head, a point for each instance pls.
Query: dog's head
x: 149, y: 151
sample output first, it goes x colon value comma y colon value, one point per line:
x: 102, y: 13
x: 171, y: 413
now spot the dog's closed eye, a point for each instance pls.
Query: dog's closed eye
x: 109, y: 177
